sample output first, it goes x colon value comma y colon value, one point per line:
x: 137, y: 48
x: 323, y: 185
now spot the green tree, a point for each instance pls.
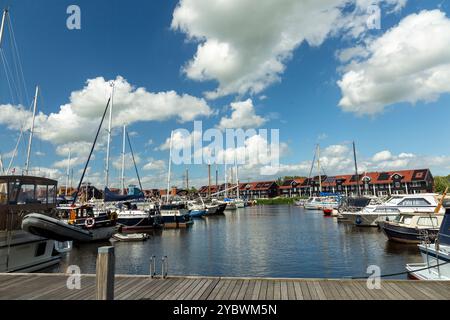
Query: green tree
x: 441, y: 183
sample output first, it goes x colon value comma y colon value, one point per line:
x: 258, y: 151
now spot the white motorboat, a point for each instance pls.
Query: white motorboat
x: 239, y: 203
x: 372, y: 215
x: 320, y: 203
x: 130, y: 237
x: 436, y: 256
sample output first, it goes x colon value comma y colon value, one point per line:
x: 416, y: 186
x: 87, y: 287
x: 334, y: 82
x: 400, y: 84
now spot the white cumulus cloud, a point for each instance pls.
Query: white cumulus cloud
x: 242, y: 117
x: 78, y: 120
x: 244, y: 45
x: 409, y: 63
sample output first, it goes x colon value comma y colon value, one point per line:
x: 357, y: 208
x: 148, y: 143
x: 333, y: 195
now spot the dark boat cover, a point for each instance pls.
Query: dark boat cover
x: 110, y: 196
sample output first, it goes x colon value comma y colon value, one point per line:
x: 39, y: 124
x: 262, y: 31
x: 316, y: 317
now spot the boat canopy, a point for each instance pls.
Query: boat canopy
x: 21, y: 190
x: 110, y: 196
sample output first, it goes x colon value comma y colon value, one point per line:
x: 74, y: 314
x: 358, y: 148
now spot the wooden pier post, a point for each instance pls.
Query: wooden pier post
x: 105, y: 273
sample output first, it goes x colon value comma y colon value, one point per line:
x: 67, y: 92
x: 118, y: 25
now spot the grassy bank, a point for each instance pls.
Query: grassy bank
x: 276, y: 201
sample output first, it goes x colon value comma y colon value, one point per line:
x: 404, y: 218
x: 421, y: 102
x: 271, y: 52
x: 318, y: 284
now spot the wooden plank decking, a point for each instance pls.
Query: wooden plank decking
x: 53, y: 287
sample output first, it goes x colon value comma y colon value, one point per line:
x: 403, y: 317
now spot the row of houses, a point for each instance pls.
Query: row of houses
x: 370, y: 183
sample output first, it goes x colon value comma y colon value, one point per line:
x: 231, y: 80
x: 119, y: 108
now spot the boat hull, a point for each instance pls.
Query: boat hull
x: 197, y: 213
x: 402, y: 234
x: 173, y: 219
x: 367, y: 219
x: 25, y: 252
x: 58, y: 230
x: 429, y: 270
x: 138, y: 224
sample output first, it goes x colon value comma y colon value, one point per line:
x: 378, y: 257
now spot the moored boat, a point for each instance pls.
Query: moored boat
x: 134, y: 237
x: 21, y: 251
x: 132, y: 219
x: 412, y: 227
x: 373, y: 214
x: 436, y: 256
x: 319, y: 203
x: 80, y: 225
x: 175, y: 216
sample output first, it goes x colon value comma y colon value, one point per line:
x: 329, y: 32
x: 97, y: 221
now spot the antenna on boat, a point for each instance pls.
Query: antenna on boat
x: 356, y: 170
x: 90, y: 153
x: 30, y: 141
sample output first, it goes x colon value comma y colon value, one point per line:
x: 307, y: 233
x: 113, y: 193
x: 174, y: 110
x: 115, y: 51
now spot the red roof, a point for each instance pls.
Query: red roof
x: 378, y: 177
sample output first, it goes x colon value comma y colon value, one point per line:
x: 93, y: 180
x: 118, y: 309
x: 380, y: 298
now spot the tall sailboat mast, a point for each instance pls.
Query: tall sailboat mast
x: 209, y: 180
x: 122, y: 175
x: 237, y: 181
x: 2, y: 170
x: 30, y: 141
x: 2, y: 26
x: 108, y: 146
x: 170, y: 167
x: 356, y: 170
x: 68, y: 172
x: 318, y: 168
x: 226, y: 181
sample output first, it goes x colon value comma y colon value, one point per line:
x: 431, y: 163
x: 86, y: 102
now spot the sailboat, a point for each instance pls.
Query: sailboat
x: 321, y: 202
x: 77, y: 222
x: 174, y: 215
x: 134, y: 214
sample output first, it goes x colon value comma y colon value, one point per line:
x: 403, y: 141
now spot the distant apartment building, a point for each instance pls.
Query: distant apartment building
x: 249, y: 190
x: 369, y: 183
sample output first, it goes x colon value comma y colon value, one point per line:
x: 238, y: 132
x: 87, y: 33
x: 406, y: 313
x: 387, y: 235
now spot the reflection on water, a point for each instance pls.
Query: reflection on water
x: 269, y: 241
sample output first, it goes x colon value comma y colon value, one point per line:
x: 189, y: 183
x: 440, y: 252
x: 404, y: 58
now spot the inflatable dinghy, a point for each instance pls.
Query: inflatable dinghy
x: 51, y: 228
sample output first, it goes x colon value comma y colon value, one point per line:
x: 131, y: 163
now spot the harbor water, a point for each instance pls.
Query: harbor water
x: 262, y: 241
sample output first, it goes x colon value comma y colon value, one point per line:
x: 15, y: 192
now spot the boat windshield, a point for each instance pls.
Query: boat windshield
x: 393, y: 200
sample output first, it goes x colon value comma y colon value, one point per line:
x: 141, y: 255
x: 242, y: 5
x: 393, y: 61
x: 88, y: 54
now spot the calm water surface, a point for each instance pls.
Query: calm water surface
x: 268, y: 241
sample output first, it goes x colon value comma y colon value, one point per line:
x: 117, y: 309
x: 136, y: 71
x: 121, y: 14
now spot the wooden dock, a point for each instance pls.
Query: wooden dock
x: 54, y: 287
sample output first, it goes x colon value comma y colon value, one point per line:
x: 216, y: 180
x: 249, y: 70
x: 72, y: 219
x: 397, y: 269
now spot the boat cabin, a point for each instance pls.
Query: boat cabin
x: 25, y: 194
x: 419, y: 220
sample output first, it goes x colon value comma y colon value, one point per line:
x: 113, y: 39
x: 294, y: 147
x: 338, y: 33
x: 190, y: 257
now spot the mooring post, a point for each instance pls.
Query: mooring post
x: 105, y: 273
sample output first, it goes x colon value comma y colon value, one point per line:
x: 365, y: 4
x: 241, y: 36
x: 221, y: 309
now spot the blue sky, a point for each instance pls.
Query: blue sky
x: 138, y: 40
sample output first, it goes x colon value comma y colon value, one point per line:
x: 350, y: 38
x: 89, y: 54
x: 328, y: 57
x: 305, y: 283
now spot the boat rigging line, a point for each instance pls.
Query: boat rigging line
x: 134, y: 162
x: 91, y: 152
x: 401, y: 273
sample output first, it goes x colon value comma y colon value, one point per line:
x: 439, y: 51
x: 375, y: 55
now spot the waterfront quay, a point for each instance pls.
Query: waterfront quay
x: 131, y: 287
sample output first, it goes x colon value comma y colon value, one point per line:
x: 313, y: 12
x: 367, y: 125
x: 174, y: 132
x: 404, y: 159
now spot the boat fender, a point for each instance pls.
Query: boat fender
x: 89, y: 223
